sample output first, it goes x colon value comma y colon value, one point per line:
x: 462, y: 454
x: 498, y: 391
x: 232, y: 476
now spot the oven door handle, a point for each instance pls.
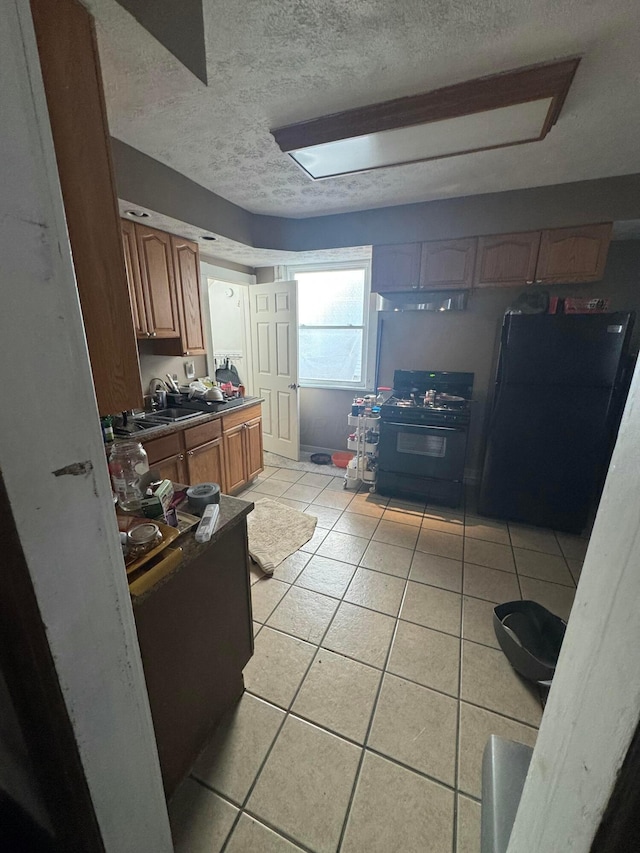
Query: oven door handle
x: 426, y: 426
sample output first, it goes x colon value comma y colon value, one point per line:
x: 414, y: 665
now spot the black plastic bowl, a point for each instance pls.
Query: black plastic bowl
x: 531, y: 638
x: 321, y: 458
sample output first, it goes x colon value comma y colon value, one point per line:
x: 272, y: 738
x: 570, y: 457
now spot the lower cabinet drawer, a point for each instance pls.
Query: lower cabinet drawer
x: 162, y: 448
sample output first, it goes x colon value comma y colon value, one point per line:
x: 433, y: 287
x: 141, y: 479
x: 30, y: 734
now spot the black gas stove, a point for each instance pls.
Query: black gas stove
x: 423, y: 435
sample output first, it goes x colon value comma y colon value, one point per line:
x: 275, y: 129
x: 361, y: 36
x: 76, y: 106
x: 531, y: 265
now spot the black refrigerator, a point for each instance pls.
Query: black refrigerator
x: 560, y: 388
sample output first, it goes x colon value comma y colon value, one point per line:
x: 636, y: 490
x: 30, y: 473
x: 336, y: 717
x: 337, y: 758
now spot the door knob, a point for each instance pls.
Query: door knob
x: 292, y: 386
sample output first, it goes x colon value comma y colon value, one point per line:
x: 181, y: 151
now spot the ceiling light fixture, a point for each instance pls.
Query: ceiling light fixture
x: 488, y: 112
x: 139, y: 213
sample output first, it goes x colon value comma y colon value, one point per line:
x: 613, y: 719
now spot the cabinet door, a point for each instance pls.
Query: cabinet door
x: 395, y: 267
x: 507, y: 260
x: 158, y: 280
x: 173, y: 469
x: 253, y: 448
x: 68, y: 55
x: 187, y: 270
x: 448, y: 264
x: 573, y: 254
x: 234, y: 457
x: 132, y: 266
x: 205, y: 465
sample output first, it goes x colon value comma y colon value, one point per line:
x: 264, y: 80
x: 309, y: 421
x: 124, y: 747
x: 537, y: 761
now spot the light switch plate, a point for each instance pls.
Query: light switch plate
x: 190, y: 370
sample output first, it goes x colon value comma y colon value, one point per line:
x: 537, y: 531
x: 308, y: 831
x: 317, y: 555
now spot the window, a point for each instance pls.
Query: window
x: 333, y: 324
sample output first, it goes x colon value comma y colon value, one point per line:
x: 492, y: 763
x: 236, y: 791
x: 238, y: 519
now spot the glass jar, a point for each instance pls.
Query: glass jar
x: 127, y: 463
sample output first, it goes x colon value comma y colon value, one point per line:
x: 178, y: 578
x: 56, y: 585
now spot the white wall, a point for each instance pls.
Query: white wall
x: 594, y: 705
x: 65, y: 520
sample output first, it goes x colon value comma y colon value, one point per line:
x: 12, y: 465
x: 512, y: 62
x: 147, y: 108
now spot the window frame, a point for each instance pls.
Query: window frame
x: 369, y: 324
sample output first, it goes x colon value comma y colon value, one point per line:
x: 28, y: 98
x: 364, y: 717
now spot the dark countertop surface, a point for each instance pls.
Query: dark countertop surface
x: 167, y: 429
x: 232, y: 511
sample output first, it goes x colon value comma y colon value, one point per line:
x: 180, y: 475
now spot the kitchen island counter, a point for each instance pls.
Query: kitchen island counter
x: 195, y: 633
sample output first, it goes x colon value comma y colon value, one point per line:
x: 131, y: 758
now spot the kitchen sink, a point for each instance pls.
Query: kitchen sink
x: 170, y: 416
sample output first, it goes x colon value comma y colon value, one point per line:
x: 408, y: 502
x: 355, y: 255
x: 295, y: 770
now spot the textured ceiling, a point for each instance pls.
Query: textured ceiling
x: 274, y: 62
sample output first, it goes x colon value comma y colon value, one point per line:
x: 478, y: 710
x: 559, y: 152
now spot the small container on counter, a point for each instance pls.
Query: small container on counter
x: 142, y: 538
x: 128, y: 462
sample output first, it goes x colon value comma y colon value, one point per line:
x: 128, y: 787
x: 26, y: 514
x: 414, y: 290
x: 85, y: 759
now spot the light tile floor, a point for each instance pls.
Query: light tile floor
x: 376, y: 679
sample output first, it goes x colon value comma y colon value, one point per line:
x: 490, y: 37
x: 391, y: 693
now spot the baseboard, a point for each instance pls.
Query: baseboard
x: 308, y: 448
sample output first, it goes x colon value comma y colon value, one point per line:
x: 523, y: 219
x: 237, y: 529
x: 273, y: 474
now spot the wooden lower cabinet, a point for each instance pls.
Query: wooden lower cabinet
x: 253, y: 448
x: 172, y: 468
x: 205, y: 464
x: 234, y: 457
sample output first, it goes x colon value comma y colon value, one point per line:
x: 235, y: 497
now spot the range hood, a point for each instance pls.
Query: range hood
x: 422, y: 301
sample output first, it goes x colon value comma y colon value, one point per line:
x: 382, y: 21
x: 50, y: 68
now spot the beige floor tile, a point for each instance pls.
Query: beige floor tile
x: 338, y: 694
x: 255, y: 573
x: 575, y: 567
x: 544, y: 567
x: 356, y: 525
x: 366, y: 504
x: 558, y: 599
x: 335, y: 484
x: 490, y: 681
x: 387, y: 558
x: 432, y: 608
x: 269, y: 470
x: 417, y: 727
x: 299, y: 492
x: 291, y: 566
x: 392, y: 533
x: 487, y: 529
x: 257, y: 627
x: 272, y: 487
x: 287, y: 475
x: 477, y: 621
x: 343, y: 546
x: 437, y: 571
x: 468, y: 825
x: 403, y: 516
x: 429, y: 657
x: 476, y: 725
x: 440, y: 544
x: 299, y: 505
x: 442, y: 525
x: 251, y: 836
x: 310, y: 807
x: 573, y: 547
x: 319, y: 535
x: 330, y: 577
x: 333, y: 499
x: 376, y: 590
x: 231, y: 761
x: 490, y: 584
x: 490, y: 554
x: 318, y: 481
x: 534, y: 538
x: 407, y: 504
x: 397, y: 810
x: 277, y: 667
x: 200, y: 820
x: 326, y: 516
x: 304, y: 614
x: 265, y: 595
x: 361, y: 634
x: 444, y: 513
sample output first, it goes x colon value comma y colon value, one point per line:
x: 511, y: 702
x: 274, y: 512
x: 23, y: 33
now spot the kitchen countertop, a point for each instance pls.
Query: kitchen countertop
x: 232, y: 511
x: 168, y: 429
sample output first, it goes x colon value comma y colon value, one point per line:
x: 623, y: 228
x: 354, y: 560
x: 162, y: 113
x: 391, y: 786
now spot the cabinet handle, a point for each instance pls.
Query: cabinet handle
x: 154, y: 334
x: 187, y: 352
x: 529, y: 281
x: 414, y: 287
x: 181, y: 456
x: 538, y: 281
x: 190, y: 453
x: 148, y: 334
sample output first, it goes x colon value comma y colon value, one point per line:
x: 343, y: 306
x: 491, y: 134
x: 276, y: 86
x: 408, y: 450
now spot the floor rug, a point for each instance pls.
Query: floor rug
x: 276, y: 531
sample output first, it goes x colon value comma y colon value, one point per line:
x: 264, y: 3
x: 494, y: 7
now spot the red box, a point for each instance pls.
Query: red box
x: 592, y: 305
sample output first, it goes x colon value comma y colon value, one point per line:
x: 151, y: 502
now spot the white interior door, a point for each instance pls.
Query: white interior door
x: 274, y: 333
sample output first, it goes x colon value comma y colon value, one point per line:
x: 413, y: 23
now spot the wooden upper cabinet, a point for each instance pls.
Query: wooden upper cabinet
x: 573, y: 254
x: 507, y: 260
x: 70, y: 68
x: 132, y: 266
x: 448, y: 264
x: 158, y: 282
x: 395, y: 268
x: 186, y: 260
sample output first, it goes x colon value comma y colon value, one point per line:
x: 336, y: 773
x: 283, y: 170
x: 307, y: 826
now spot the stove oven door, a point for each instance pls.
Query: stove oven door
x: 437, y: 452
